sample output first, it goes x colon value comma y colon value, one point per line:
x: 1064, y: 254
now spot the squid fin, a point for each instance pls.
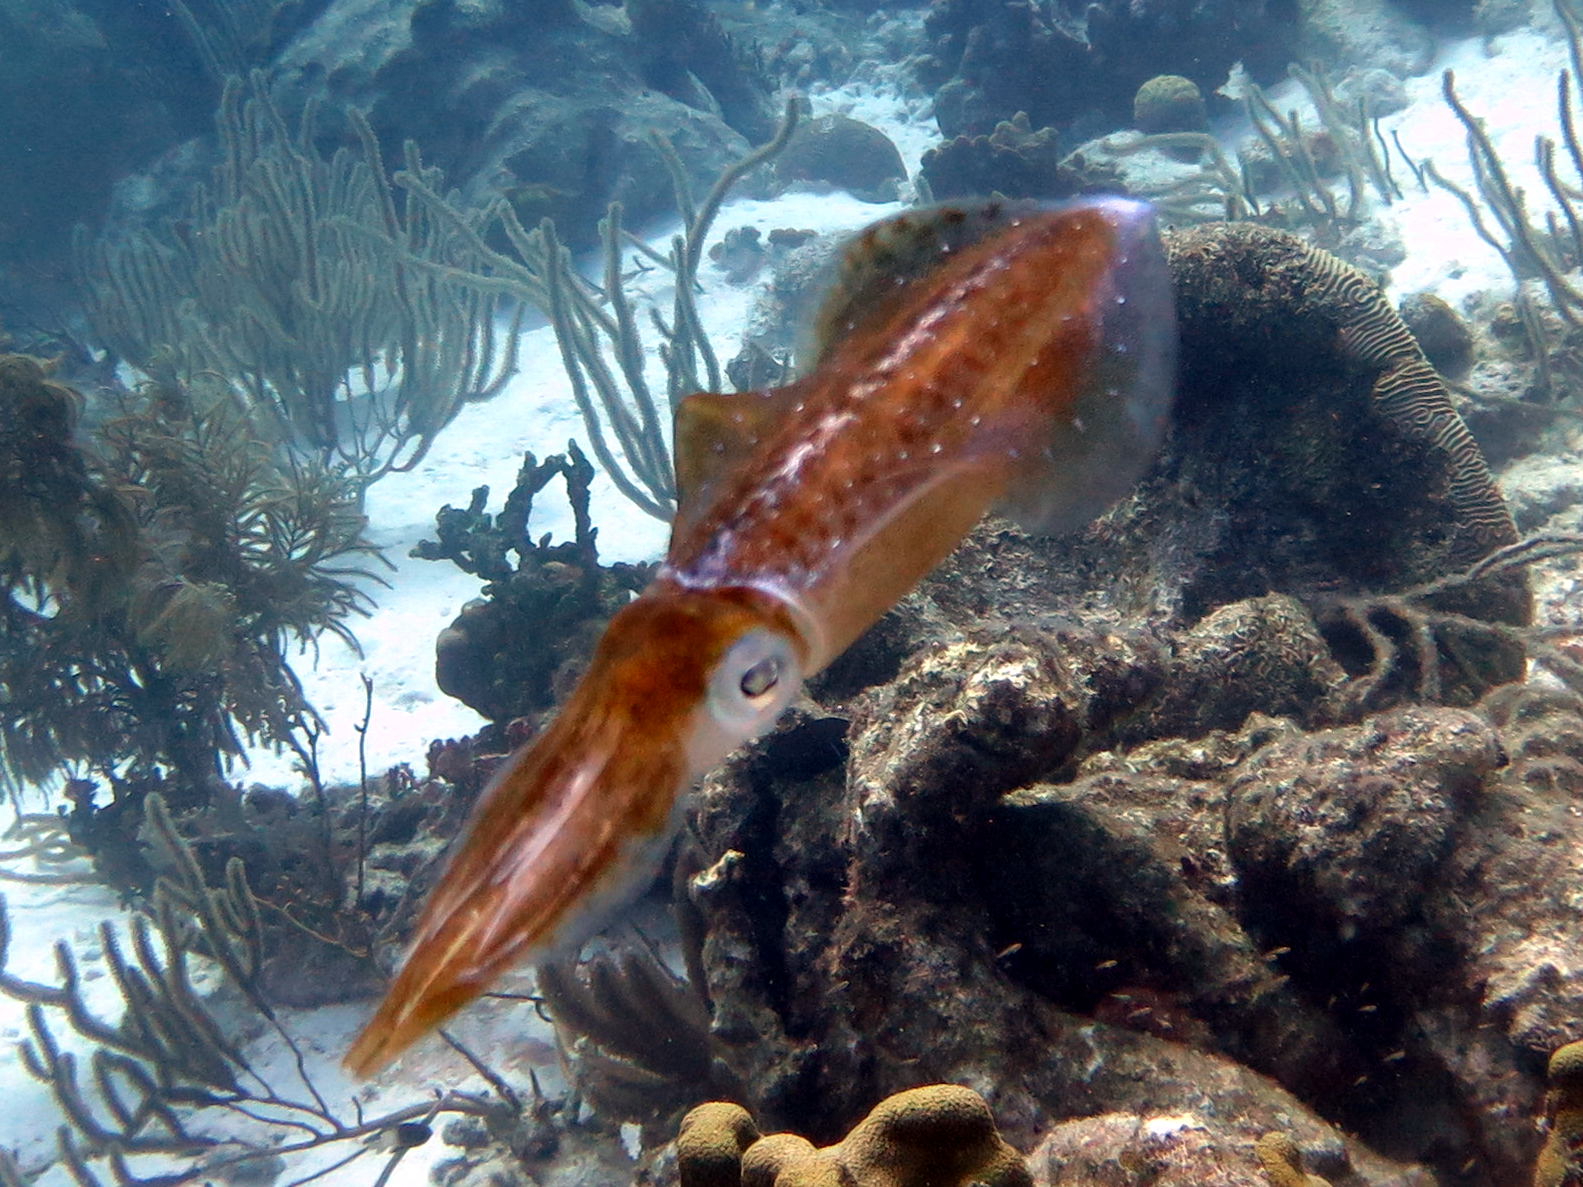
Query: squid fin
x: 714, y: 434
x: 919, y: 531
x: 1111, y: 428
x: 879, y: 264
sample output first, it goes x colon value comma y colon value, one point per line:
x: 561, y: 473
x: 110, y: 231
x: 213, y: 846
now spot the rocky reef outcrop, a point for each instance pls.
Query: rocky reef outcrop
x: 1075, y: 67
x: 1217, y: 819
x: 552, y: 106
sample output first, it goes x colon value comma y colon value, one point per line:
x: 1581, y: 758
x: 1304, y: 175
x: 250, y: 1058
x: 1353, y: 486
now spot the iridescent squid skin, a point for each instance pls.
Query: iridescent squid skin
x: 1005, y: 357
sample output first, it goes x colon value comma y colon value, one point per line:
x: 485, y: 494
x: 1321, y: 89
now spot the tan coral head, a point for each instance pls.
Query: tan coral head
x: 1560, y: 1162
x: 940, y: 1135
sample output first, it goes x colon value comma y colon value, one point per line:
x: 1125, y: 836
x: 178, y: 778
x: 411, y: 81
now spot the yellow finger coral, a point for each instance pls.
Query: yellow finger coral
x: 1561, y: 1160
x: 940, y: 1135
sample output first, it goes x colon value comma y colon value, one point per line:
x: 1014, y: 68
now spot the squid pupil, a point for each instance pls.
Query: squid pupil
x: 761, y: 677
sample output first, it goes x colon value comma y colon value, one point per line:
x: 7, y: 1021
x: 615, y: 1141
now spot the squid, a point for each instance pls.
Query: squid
x: 1009, y: 357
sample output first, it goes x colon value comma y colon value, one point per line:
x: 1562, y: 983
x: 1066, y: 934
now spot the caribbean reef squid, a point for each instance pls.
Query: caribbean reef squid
x: 1005, y: 356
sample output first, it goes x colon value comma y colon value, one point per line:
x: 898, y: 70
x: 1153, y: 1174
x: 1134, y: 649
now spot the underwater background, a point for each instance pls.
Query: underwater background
x: 1233, y: 837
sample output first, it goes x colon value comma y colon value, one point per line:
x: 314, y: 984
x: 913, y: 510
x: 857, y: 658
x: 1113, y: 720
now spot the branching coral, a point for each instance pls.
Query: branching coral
x: 293, y: 277
x: 1500, y: 212
x: 150, y: 587
x: 41, y: 837
x: 1216, y: 187
x: 1351, y: 136
x: 230, y: 36
x: 169, y: 1065
x: 557, y: 595
x: 597, y: 328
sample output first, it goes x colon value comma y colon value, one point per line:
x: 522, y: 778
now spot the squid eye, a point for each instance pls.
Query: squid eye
x: 750, y: 686
x: 756, y: 679
x: 761, y: 677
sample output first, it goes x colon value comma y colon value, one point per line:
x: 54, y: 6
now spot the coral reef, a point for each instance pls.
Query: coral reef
x: 1074, y: 863
x: 1314, y: 453
x: 509, y: 653
x: 1140, y: 832
x: 987, y: 59
x: 940, y: 1135
x: 880, y: 979
x: 154, y: 580
x: 1012, y: 160
x: 1316, y: 947
x: 1157, y: 923
x: 839, y: 151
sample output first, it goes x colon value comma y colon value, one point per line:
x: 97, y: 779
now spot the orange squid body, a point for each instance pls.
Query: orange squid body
x: 1003, y: 356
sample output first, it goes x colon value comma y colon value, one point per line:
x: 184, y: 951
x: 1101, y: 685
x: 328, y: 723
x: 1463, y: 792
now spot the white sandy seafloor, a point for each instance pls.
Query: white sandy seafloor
x: 1509, y: 83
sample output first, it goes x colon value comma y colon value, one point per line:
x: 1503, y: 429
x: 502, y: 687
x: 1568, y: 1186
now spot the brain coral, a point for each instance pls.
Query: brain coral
x: 1169, y: 103
x: 940, y: 1135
